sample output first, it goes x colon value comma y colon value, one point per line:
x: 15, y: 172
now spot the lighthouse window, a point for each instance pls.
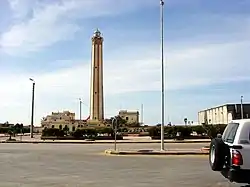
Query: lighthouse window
x: 95, y: 92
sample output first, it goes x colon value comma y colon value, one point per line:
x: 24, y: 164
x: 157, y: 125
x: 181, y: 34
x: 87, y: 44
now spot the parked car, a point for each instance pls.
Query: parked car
x: 230, y: 153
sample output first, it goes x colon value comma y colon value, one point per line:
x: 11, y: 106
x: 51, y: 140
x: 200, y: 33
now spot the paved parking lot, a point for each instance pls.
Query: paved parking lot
x: 85, y: 165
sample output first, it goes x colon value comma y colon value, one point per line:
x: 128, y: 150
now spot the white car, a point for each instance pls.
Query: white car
x: 230, y: 153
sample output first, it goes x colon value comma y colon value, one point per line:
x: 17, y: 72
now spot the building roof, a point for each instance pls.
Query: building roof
x: 227, y: 104
x: 128, y: 112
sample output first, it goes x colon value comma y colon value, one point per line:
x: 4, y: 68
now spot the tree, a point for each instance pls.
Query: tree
x: 66, y: 129
x: 21, y: 128
x: 185, y: 121
x: 213, y: 130
x: 120, y: 120
x: 10, y: 134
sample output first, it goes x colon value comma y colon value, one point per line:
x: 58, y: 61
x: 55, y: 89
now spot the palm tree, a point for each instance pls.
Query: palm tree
x: 185, y: 121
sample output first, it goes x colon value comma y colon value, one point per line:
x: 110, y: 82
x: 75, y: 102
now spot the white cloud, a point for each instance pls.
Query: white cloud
x: 50, y: 23
x: 21, y: 8
x: 186, y: 68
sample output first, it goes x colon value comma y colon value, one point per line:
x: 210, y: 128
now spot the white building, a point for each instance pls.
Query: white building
x: 130, y: 116
x: 223, y: 114
x: 62, y: 120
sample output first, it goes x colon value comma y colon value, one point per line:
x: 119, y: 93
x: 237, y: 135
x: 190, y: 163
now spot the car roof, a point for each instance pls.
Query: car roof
x: 240, y: 121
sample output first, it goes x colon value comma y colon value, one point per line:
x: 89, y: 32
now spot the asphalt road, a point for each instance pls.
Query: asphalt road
x: 71, y: 165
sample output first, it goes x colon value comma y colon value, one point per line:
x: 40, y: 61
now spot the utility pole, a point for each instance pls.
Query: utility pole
x: 241, y: 106
x: 162, y: 74
x: 32, y: 108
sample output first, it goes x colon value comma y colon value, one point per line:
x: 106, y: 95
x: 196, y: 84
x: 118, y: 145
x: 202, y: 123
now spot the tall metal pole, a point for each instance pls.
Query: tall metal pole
x: 114, y: 124
x: 115, y: 132
x: 141, y: 114
x: 32, y: 108
x: 162, y: 75
x: 241, y: 105
x: 80, y: 109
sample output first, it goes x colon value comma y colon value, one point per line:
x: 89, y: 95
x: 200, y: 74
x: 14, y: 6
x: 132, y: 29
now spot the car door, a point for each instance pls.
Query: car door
x: 243, y: 139
x: 231, y: 137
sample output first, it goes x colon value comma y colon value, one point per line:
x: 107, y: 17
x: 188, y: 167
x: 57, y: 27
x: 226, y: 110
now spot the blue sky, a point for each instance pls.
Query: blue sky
x: 206, y: 53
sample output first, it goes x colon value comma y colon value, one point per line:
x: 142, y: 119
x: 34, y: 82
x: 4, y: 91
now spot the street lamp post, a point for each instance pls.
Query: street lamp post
x: 32, y: 107
x: 241, y: 105
x: 162, y: 75
x: 141, y: 114
x: 21, y: 135
x: 80, y: 108
x: 114, y: 125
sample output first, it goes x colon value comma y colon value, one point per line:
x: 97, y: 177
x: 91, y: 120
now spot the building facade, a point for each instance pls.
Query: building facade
x: 62, y: 120
x: 96, y: 90
x: 223, y: 114
x: 132, y: 117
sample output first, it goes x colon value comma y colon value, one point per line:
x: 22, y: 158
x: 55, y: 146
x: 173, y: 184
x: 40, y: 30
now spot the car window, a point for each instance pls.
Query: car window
x: 230, y: 132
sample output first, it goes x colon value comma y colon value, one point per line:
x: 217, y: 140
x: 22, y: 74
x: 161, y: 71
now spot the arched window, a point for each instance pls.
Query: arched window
x: 73, y: 128
x: 60, y: 127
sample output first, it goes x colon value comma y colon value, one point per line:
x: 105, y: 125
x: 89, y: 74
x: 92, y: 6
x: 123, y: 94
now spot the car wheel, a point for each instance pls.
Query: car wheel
x: 217, y: 154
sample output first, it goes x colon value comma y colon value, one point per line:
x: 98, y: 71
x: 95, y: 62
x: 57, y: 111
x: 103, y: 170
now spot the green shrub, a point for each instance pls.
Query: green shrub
x: 154, y: 131
x: 105, y: 130
x: 53, y: 132
x: 213, y: 130
x: 185, y: 131
x: 171, y: 131
x: 15, y: 129
x: 78, y: 133
x: 199, y: 129
x: 85, y: 132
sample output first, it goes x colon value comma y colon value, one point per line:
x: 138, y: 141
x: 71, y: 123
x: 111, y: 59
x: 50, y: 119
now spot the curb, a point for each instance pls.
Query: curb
x: 207, y: 149
x: 96, y: 142
x: 141, y: 152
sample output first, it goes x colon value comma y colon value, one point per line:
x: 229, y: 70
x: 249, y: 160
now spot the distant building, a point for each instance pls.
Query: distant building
x: 38, y: 129
x: 223, y: 114
x: 132, y: 117
x: 6, y: 124
x: 61, y: 120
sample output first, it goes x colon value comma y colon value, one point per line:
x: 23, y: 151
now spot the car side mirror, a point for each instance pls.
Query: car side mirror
x: 219, y: 136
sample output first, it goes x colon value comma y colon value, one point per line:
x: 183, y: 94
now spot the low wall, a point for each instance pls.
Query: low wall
x: 186, y: 138
x: 81, y: 138
x: 136, y: 134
